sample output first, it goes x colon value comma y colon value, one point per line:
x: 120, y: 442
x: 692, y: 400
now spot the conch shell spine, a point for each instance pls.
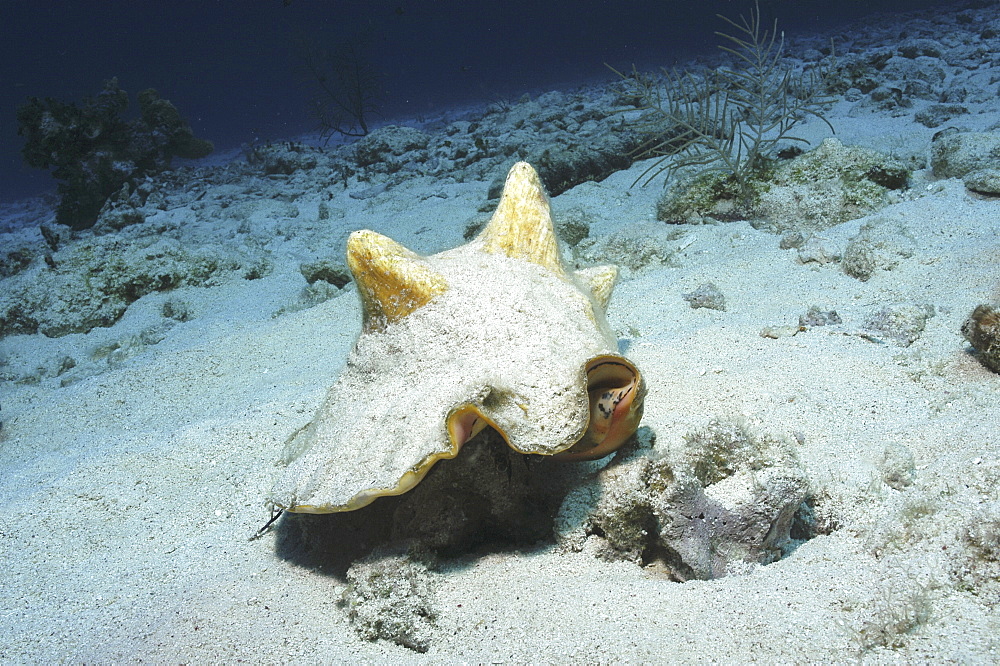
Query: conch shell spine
x: 521, y: 226
x: 392, y: 280
x: 600, y: 280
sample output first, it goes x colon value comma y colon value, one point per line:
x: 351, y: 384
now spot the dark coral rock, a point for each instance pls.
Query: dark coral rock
x: 982, y: 330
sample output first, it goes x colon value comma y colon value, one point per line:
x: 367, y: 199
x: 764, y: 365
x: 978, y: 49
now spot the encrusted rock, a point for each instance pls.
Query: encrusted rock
x: 391, y: 597
x: 724, y: 501
x: 879, y: 246
x: 955, y: 154
x: 982, y: 330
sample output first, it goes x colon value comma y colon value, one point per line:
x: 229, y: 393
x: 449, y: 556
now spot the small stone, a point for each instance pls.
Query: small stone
x: 815, y: 316
x: 706, y: 295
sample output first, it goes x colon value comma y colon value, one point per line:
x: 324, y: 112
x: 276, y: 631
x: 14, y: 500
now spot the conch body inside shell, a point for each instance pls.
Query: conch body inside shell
x: 495, y: 333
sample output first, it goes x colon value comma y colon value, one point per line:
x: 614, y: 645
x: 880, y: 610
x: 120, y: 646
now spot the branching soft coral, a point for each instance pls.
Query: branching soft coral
x: 729, y: 120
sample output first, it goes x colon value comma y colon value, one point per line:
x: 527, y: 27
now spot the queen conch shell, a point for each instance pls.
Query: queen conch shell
x: 495, y: 333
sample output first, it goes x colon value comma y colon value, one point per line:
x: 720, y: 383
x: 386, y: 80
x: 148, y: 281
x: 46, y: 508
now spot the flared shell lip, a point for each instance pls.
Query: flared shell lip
x: 634, y: 410
x: 417, y: 472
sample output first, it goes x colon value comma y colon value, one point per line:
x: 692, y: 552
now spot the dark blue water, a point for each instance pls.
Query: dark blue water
x: 233, y: 67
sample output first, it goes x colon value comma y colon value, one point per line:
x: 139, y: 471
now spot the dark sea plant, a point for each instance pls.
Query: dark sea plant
x: 729, y: 120
x: 93, y: 150
x: 345, y: 87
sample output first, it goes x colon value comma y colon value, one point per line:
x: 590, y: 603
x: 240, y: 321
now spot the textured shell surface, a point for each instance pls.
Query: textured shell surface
x: 504, y: 336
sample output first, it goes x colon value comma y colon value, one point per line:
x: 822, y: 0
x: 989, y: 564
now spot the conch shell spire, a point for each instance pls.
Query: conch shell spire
x: 392, y: 280
x: 521, y: 227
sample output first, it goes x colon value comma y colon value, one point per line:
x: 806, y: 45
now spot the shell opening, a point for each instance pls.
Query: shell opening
x: 616, y: 396
x: 464, y: 424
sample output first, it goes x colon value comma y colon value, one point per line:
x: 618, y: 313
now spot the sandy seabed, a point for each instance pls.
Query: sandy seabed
x: 132, y: 493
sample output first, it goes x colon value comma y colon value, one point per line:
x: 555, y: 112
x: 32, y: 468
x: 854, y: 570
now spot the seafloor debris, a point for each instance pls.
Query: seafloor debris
x: 722, y: 503
x: 982, y: 330
x: 391, y: 597
x: 706, y: 295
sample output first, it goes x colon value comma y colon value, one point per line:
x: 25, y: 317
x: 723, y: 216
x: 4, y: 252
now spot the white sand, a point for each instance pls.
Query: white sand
x: 130, y: 496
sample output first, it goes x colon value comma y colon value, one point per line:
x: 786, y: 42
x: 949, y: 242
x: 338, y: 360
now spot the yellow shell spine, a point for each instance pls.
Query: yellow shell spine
x: 521, y: 226
x: 600, y: 281
x: 392, y: 280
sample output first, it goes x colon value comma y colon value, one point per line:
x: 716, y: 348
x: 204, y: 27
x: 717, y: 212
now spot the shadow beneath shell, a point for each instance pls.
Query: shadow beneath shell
x: 488, y: 498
